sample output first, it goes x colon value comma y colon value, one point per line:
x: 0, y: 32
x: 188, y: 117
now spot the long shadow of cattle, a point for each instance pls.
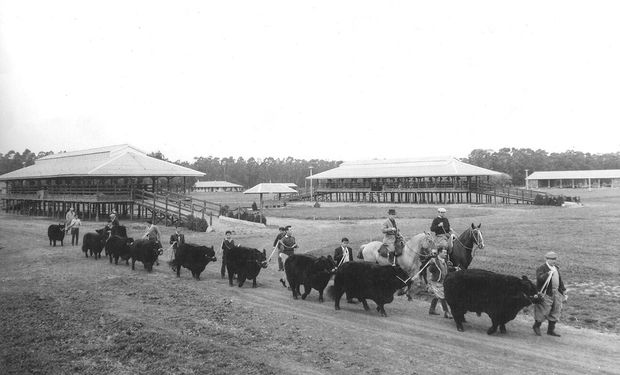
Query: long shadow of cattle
x: 309, y: 271
x: 56, y: 232
x: 193, y: 257
x: 365, y: 280
x: 246, y: 263
x: 501, y: 297
x: 145, y: 251
x: 94, y: 243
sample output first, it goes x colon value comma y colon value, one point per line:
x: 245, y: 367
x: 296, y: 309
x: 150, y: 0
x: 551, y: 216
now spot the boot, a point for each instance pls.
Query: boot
x: 446, y: 311
x: 431, y: 310
x: 536, y: 327
x: 551, y: 329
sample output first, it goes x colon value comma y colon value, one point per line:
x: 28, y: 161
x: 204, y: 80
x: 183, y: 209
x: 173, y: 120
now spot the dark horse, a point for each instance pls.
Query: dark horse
x: 462, y: 249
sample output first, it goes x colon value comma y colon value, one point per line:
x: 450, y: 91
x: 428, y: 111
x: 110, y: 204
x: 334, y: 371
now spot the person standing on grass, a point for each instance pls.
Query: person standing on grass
x: 438, y: 268
x: 343, y: 254
x: 227, y: 245
x: 288, y: 244
x: 74, y: 227
x: 68, y: 217
x: 550, y: 284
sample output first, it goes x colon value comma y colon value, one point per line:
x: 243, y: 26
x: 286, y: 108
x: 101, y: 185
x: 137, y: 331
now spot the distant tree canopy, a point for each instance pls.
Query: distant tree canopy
x: 514, y: 162
x: 252, y: 171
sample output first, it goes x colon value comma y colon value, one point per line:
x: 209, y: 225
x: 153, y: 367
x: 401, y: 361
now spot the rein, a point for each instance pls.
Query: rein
x: 414, y: 276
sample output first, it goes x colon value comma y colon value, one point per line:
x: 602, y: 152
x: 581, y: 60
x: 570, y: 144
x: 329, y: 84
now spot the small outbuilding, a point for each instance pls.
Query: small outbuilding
x: 216, y: 186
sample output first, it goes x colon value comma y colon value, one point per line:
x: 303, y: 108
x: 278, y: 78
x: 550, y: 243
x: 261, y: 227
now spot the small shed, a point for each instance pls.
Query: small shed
x: 270, y: 189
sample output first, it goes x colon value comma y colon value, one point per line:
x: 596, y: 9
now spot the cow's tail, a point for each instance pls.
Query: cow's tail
x: 330, y: 292
x: 360, y: 254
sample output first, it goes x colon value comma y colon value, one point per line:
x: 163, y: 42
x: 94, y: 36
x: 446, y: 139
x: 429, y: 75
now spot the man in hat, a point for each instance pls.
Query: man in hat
x: 549, y: 283
x: 152, y: 232
x: 390, y: 232
x: 287, y: 244
x: 438, y: 268
x: 276, y: 245
x: 443, y: 233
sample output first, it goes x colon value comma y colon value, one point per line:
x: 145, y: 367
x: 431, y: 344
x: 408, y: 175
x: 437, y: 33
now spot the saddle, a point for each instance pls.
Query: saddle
x: 399, y: 245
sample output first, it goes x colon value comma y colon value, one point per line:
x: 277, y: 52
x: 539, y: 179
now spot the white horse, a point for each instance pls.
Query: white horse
x: 419, y: 245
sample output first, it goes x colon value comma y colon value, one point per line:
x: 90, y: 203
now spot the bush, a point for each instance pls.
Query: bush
x: 196, y: 224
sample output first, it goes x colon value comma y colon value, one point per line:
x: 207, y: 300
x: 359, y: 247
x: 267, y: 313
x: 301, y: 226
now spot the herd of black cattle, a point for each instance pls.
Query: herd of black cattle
x: 501, y: 297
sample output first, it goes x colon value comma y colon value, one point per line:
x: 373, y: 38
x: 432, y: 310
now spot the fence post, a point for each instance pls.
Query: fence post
x: 204, y: 209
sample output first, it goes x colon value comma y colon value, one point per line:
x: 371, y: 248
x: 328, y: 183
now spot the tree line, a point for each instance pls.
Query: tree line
x: 514, y: 161
x: 252, y: 171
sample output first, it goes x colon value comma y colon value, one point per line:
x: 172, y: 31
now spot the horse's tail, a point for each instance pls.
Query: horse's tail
x: 360, y: 254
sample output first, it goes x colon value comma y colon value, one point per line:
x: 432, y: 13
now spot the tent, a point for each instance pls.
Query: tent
x: 270, y: 188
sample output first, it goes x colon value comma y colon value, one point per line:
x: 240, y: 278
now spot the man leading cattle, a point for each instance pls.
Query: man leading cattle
x: 442, y: 230
x: 390, y: 236
x: 549, y: 283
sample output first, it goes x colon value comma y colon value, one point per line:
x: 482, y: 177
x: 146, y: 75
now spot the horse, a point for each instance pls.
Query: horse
x: 463, y: 247
x: 418, y: 246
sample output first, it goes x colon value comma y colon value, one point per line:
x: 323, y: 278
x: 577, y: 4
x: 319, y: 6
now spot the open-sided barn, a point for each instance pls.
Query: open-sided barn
x: 97, y: 181
x: 423, y: 180
x: 604, y: 178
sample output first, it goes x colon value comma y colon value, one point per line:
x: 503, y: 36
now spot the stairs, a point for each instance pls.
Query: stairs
x: 171, y: 207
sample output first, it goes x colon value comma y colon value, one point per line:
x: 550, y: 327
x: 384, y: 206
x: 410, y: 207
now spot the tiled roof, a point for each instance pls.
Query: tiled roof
x: 557, y: 175
x: 423, y: 167
x: 111, y: 161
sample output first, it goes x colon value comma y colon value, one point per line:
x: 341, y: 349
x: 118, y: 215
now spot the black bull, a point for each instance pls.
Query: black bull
x: 501, y: 297
x: 365, y: 280
x: 309, y: 271
x: 193, y: 257
x: 246, y: 263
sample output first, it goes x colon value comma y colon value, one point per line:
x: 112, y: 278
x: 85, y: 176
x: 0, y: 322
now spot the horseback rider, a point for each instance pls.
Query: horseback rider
x: 390, y: 235
x: 441, y: 228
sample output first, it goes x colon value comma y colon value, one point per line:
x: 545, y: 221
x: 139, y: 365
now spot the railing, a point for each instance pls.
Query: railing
x: 175, y: 204
x: 510, y: 192
x: 64, y: 190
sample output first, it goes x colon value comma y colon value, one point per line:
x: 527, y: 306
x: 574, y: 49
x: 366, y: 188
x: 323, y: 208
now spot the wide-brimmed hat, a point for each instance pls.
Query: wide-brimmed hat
x: 551, y: 255
x: 391, y: 211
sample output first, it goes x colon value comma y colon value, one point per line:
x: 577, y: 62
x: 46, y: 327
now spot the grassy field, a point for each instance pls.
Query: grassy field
x: 516, y: 237
x: 63, y: 313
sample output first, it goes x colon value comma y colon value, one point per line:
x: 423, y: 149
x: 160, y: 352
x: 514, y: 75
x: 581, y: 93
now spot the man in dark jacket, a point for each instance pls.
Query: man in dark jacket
x: 441, y: 227
x: 438, y: 267
x: 227, y: 245
x: 343, y: 253
x: 550, y: 284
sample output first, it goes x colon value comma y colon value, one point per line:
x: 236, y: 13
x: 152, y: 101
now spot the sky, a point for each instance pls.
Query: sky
x: 334, y: 80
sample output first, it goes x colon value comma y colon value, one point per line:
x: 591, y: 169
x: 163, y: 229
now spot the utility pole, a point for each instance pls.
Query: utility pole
x: 526, y: 184
x: 311, y: 196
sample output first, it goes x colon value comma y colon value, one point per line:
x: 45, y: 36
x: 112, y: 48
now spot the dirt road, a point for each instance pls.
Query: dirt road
x: 63, y: 313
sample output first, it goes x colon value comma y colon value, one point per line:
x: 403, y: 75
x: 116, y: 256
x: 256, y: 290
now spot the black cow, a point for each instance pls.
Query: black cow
x: 94, y: 242
x: 193, y: 257
x: 309, y: 271
x: 365, y: 280
x: 246, y: 263
x: 118, y: 247
x: 56, y: 232
x: 499, y: 296
x: 145, y: 251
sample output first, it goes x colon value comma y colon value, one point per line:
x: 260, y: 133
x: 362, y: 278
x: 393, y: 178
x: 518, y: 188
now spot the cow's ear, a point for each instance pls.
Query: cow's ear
x: 524, y: 278
x: 264, y: 252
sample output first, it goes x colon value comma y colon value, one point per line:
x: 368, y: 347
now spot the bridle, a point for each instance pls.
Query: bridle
x: 478, y: 240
